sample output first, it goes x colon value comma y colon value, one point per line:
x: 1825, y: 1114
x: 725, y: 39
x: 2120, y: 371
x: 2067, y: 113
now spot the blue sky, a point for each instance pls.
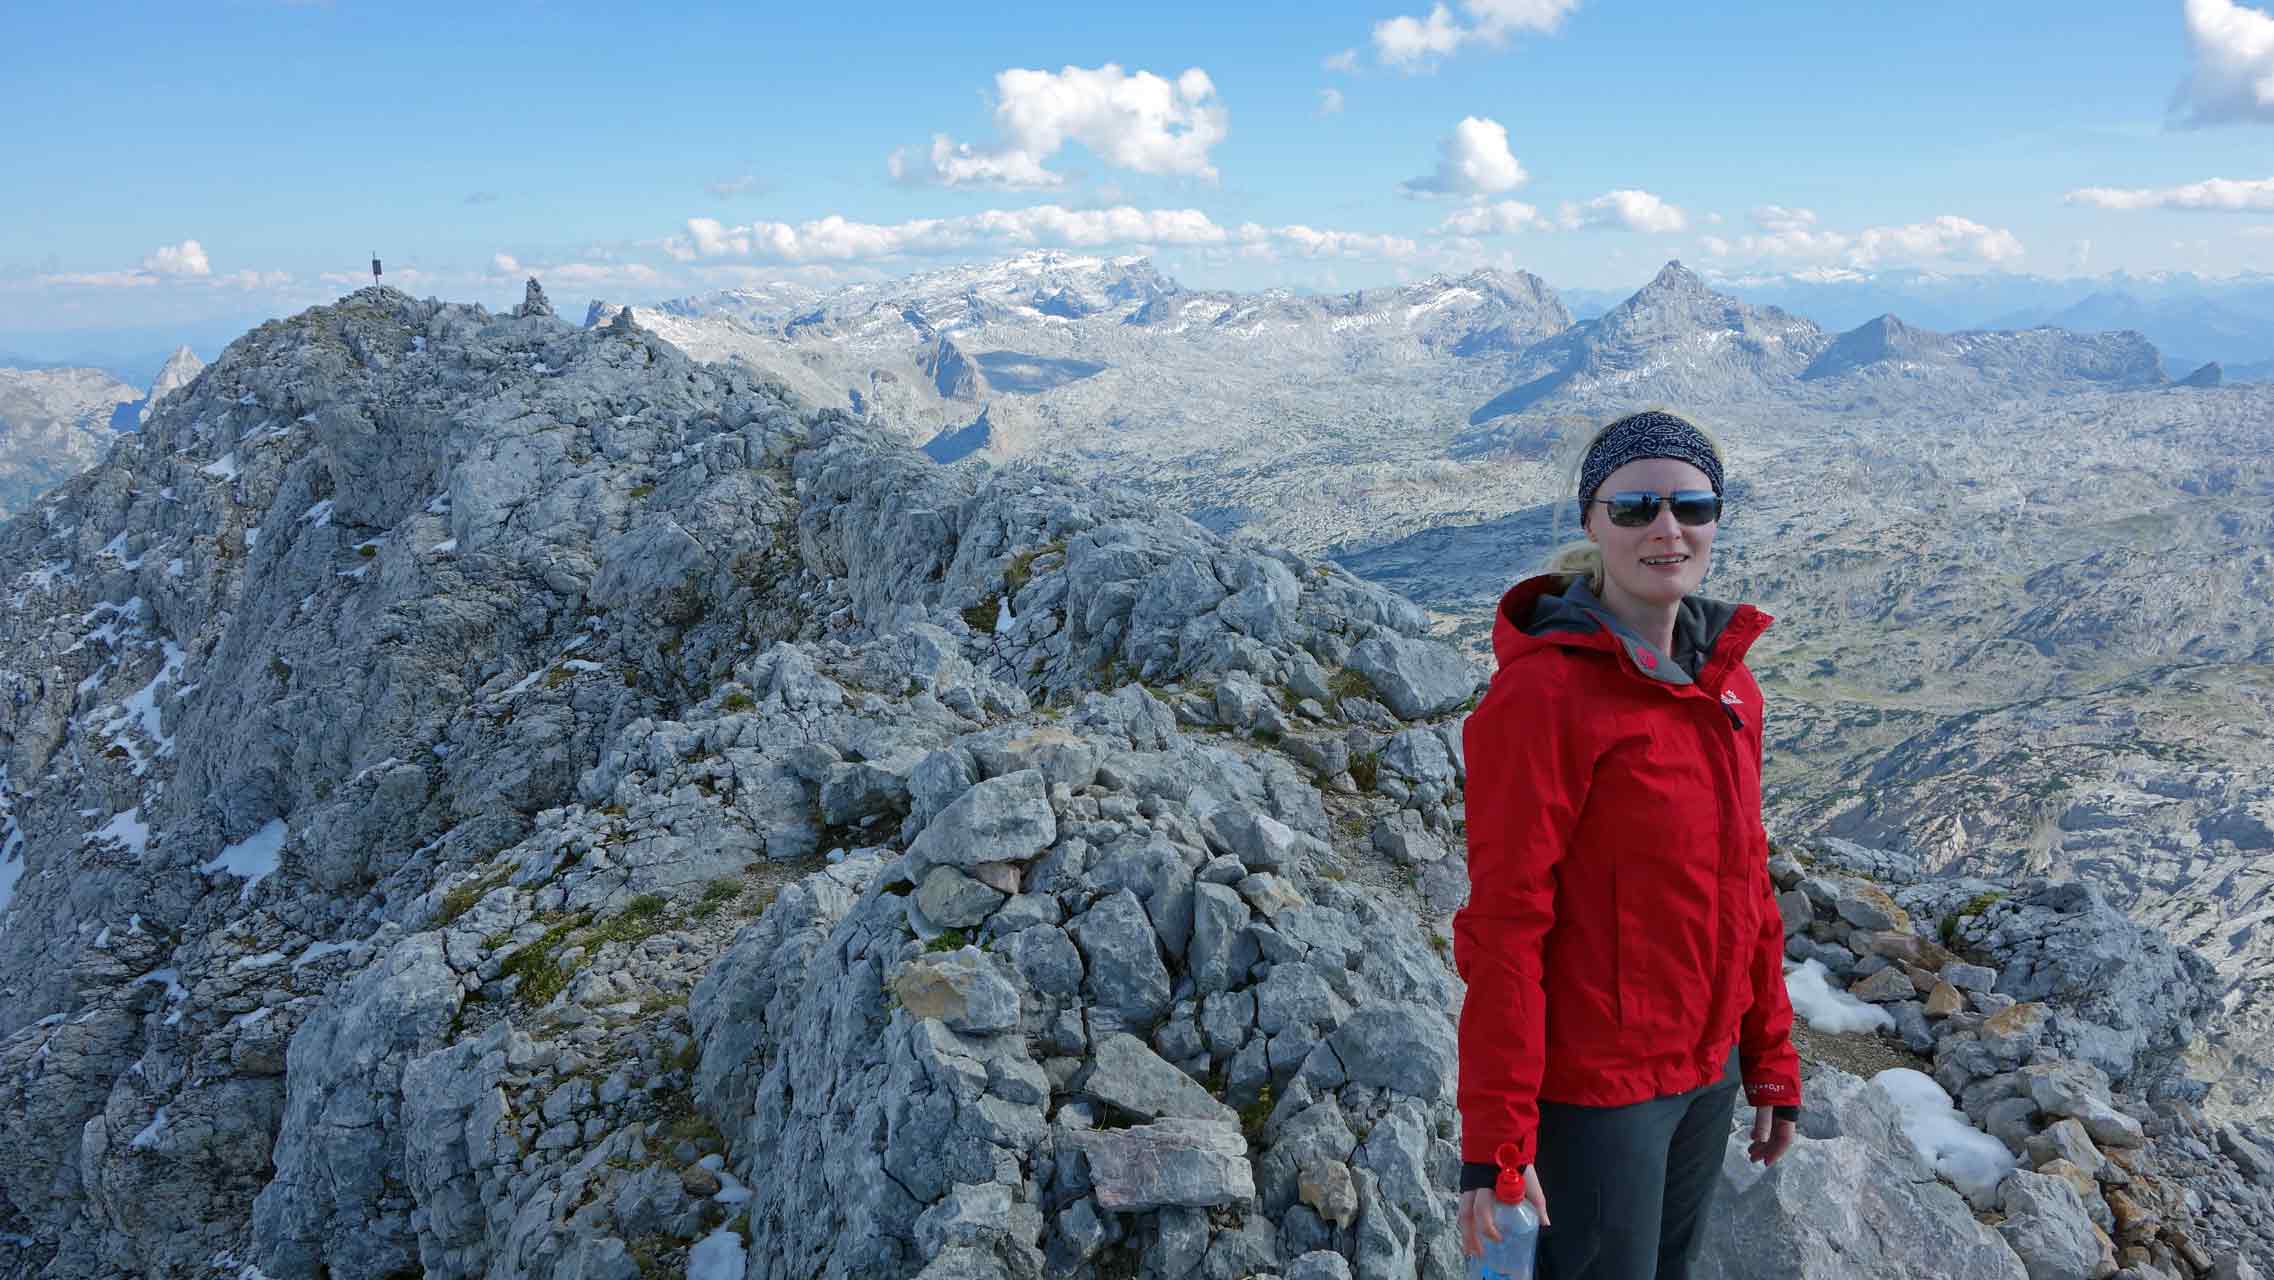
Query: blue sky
x: 175, y: 165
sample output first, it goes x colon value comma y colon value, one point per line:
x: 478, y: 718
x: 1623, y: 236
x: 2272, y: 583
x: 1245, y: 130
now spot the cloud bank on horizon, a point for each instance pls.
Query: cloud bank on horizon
x: 1402, y: 152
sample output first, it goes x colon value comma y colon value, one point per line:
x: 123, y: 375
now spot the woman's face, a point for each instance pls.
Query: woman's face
x: 1664, y: 560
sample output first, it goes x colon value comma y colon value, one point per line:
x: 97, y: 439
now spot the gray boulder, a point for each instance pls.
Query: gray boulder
x: 1198, y: 1164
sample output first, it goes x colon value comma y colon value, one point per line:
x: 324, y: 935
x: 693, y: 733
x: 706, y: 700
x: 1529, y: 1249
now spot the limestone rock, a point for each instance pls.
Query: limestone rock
x: 1195, y: 1163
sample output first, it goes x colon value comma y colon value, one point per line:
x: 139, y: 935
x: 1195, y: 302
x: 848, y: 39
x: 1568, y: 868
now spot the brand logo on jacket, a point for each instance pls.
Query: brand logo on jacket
x: 1729, y: 698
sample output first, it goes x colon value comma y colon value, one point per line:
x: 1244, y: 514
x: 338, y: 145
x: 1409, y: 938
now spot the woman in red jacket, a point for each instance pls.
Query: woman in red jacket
x: 1621, y: 944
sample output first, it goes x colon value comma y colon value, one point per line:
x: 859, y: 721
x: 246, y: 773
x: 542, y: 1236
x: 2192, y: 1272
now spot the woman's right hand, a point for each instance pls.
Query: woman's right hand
x: 1476, y: 1218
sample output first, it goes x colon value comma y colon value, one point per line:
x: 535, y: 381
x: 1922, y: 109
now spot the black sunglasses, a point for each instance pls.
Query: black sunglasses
x: 1636, y: 509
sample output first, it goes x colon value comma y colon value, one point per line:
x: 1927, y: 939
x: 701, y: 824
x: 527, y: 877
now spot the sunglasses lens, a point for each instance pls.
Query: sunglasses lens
x: 1632, y: 510
x: 1696, y: 506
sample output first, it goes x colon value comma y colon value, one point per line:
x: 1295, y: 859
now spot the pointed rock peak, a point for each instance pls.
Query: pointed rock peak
x: 180, y: 369
x: 1676, y: 278
x: 533, y: 301
x: 2209, y: 375
x: 622, y: 322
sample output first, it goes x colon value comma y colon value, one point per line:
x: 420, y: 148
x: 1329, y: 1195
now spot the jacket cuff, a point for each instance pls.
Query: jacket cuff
x: 1788, y: 1113
x: 1771, y: 1093
x: 1479, y: 1176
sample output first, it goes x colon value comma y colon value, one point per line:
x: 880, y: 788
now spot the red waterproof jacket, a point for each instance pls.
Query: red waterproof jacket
x: 1621, y: 932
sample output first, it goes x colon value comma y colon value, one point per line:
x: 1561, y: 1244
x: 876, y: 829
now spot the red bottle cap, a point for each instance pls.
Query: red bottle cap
x: 1509, y: 1189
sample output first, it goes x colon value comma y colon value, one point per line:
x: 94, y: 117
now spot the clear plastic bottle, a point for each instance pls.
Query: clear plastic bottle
x: 1510, y: 1258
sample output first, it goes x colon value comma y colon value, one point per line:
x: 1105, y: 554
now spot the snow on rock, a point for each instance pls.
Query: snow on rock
x: 152, y: 1133
x: 1827, y: 1007
x: 717, y: 1256
x: 1972, y: 1160
x: 128, y: 829
x: 254, y: 856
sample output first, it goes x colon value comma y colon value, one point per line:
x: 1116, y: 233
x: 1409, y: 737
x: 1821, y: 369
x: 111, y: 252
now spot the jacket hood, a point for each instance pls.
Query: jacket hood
x: 1709, y: 635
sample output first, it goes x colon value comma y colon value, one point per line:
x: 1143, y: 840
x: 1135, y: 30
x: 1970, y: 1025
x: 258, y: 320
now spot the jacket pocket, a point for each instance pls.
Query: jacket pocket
x: 1665, y: 943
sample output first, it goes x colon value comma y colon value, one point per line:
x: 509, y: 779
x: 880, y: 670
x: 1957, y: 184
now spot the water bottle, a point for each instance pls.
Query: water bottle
x: 1511, y: 1258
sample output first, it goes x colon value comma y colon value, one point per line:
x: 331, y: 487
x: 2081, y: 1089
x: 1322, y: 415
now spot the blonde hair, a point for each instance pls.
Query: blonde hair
x: 1583, y: 558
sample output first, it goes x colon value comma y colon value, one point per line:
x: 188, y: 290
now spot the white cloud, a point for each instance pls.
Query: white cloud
x: 954, y: 164
x: 838, y: 239
x: 1347, y: 60
x: 183, y: 265
x: 102, y: 279
x: 1629, y: 209
x: 184, y: 259
x: 1330, y: 102
x: 506, y: 264
x: 728, y: 188
x: 2259, y: 231
x: 1411, y: 44
x: 636, y: 273
x: 1140, y: 122
x: 1778, y: 218
x: 2232, y: 79
x: 2219, y: 195
x: 1506, y: 217
x: 1948, y: 236
x: 1309, y: 242
x: 250, y: 279
x: 1476, y: 161
x: 1793, y: 234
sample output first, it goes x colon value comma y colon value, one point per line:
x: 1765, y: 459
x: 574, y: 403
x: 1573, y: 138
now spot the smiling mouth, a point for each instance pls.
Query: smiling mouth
x: 1663, y: 560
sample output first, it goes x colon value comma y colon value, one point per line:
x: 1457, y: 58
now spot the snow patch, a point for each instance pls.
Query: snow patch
x: 717, y: 1256
x: 1972, y: 1160
x: 141, y: 710
x: 116, y: 549
x: 1828, y: 1008
x: 223, y: 467
x: 318, y: 950
x: 152, y: 1133
x: 128, y: 829
x: 170, y: 978
x: 318, y: 515
x: 176, y: 567
x: 253, y: 857
x: 445, y: 547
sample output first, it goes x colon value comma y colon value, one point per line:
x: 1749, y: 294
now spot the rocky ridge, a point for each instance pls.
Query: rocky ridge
x: 494, y: 798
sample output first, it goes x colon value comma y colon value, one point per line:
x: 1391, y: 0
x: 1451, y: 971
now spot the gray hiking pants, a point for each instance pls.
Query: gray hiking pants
x: 1629, y: 1187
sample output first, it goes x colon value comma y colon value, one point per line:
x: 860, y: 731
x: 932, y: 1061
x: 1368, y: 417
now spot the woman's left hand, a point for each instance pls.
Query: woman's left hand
x: 1770, y: 1136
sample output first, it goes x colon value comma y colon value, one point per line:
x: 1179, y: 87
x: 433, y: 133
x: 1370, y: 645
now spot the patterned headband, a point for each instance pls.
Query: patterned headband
x: 1649, y: 434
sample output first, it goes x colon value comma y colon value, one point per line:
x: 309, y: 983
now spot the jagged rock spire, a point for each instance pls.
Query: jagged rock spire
x: 533, y: 301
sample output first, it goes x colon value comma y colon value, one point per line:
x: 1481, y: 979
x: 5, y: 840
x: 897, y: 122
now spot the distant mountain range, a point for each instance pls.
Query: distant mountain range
x: 1056, y: 355
x: 57, y: 420
x: 2192, y: 319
